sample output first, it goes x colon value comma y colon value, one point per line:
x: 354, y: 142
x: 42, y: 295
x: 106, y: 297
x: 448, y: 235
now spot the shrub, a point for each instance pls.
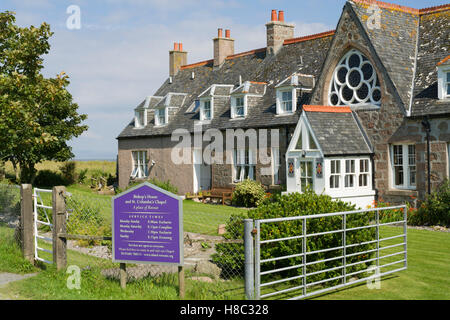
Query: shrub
x: 68, y: 172
x: 48, y: 179
x: 9, y: 199
x: 389, y: 215
x: 296, y: 204
x: 435, y: 210
x: 82, y: 175
x: 248, y: 193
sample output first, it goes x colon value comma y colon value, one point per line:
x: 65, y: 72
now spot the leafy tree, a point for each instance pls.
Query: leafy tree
x: 37, y: 114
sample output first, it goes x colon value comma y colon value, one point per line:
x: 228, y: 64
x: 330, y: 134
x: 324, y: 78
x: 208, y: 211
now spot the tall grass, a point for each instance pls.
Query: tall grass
x: 109, y: 167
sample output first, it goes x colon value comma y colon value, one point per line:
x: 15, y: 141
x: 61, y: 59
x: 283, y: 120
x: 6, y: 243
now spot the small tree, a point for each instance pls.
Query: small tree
x: 37, y: 114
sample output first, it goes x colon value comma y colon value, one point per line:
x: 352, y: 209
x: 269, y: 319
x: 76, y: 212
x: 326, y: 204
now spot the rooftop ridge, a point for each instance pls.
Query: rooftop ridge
x: 309, y: 37
x: 246, y: 53
x: 406, y: 9
x: 444, y: 60
x: 196, y: 64
x: 340, y: 109
x: 435, y: 9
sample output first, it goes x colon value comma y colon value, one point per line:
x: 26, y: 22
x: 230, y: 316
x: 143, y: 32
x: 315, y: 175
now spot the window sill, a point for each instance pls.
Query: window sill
x: 285, y: 114
x: 237, y: 118
x: 402, y: 192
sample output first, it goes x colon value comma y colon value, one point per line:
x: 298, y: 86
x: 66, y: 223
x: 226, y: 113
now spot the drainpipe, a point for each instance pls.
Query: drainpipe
x: 427, y: 126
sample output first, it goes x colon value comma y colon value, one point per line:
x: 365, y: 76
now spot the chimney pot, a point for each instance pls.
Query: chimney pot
x: 281, y: 16
x: 177, y: 58
x: 227, y: 33
x: 219, y: 33
x: 274, y: 15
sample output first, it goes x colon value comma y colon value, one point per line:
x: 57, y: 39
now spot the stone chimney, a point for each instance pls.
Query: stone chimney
x: 277, y: 31
x: 177, y: 58
x: 223, y: 47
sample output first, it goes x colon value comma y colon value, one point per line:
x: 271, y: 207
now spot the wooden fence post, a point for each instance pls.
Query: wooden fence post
x: 27, y: 221
x: 181, y: 289
x: 59, y: 226
x: 123, y: 275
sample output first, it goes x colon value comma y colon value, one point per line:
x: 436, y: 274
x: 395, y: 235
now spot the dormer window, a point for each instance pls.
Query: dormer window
x: 140, y: 119
x: 285, y: 101
x: 354, y: 82
x: 447, y: 85
x: 206, y: 111
x: 238, y: 107
x: 160, y: 117
x: 444, y: 78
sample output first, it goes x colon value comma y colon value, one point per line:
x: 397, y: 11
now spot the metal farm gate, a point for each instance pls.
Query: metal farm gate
x: 364, y: 252
x: 42, y: 211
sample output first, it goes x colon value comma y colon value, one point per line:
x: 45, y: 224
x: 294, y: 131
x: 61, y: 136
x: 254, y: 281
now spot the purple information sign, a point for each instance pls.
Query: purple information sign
x: 147, y: 226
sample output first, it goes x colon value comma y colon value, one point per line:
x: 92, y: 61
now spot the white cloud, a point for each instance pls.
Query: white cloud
x: 113, y: 64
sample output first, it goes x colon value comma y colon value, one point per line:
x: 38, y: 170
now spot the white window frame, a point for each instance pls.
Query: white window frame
x: 234, y: 106
x: 158, y: 116
x: 405, y: 166
x: 335, y: 174
x: 202, y: 109
x: 140, y: 118
x: 443, y: 83
x: 307, y: 136
x: 349, y: 173
x: 280, y: 103
x: 336, y: 86
x: 139, y: 164
x: 244, y: 164
x: 306, y: 177
x: 345, y: 177
x: 447, y: 84
x: 364, y: 173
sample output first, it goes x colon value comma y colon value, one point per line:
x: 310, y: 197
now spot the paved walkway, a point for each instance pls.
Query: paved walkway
x: 6, y: 278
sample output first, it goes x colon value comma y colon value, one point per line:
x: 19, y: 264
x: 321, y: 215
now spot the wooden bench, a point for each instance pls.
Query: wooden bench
x: 218, y: 193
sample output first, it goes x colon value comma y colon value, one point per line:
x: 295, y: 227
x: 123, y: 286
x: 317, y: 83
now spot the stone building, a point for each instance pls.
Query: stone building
x: 370, y: 102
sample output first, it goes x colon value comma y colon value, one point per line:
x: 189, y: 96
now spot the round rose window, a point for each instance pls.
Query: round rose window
x: 354, y: 82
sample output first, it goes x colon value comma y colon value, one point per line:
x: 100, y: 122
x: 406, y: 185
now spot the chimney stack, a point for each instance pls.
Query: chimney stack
x: 223, y: 47
x: 177, y: 58
x: 277, y: 31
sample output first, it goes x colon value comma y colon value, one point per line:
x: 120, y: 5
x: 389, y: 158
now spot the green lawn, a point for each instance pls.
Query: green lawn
x: 52, y: 285
x: 427, y: 276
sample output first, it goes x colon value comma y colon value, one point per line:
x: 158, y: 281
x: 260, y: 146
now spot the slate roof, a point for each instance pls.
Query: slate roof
x: 434, y: 47
x: 337, y: 130
x: 410, y: 43
x: 303, y: 56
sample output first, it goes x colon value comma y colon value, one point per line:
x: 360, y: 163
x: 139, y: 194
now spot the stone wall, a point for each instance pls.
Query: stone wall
x: 387, y: 124
x: 159, y: 149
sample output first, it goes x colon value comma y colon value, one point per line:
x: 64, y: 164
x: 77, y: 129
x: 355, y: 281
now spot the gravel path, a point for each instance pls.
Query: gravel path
x: 6, y: 278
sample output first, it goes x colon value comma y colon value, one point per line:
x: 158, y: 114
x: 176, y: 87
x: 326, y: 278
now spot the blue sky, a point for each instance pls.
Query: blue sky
x: 120, y: 54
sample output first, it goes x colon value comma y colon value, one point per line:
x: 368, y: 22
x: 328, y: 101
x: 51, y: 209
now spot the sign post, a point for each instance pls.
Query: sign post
x: 147, y: 227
